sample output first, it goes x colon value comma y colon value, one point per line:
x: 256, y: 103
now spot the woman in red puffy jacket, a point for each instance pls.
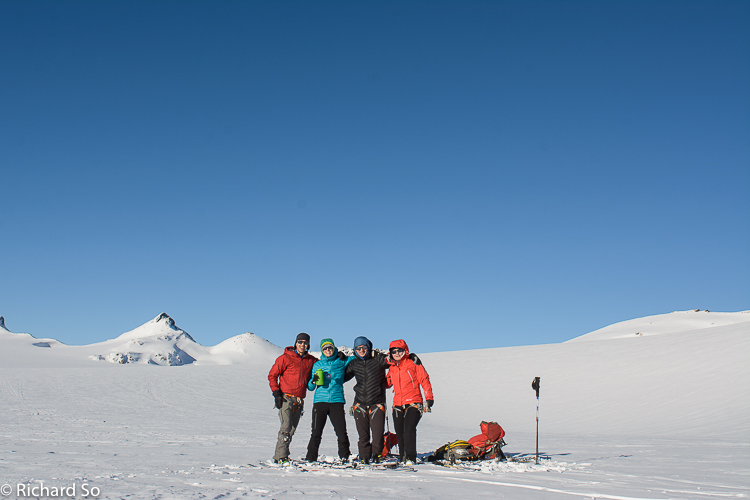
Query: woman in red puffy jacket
x: 408, y: 379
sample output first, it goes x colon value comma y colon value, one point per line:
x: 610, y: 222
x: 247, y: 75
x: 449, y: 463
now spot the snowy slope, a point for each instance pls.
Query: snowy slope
x: 649, y: 416
x: 687, y: 383
x: 678, y: 321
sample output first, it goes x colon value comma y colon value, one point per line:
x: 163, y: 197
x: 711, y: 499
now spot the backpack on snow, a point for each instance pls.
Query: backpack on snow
x: 453, y: 451
x: 488, y: 445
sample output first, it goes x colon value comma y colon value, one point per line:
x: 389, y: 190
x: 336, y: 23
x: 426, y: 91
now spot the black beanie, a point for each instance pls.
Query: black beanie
x: 303, y: 336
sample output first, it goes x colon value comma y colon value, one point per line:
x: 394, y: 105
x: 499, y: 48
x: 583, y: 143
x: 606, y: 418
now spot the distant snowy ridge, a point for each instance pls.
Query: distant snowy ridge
x: 156, y: 342
x: 660, y: 324
x: 25, y: 338
x: 243, y: 346
x: 161, y: 342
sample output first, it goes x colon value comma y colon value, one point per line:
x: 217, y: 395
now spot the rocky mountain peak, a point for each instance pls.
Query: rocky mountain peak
x: 165, y: 317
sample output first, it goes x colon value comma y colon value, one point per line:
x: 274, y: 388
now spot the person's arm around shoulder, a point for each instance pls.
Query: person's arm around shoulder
x: 343, y: 358
x: 349, y: 371
x: 382, y: 360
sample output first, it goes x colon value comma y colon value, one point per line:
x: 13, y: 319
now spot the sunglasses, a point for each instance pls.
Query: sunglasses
x: 303, y: 342
x: 361, y: 348
x: 328, y: 347
x: 396, y: 350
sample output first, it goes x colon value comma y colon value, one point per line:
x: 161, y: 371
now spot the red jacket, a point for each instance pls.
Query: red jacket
x: 406, y: 377
x: 291, y: 372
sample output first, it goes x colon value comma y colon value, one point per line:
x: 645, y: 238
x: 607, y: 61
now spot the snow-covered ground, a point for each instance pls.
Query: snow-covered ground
x: 656, y: 407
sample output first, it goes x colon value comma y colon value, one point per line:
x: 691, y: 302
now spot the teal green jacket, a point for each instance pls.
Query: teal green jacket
x: 332, y: 390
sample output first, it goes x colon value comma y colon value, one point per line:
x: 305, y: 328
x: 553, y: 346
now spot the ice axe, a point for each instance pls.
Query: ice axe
x: 535, y: 386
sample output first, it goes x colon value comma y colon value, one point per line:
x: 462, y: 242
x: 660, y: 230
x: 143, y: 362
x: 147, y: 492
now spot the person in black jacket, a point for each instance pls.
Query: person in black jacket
x: 368, y: 368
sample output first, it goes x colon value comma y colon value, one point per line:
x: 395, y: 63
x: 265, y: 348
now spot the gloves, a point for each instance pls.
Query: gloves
x: 278, y: 397
x: 315, y: 379
x: 415, y: 358
x: 342, y: 356
x: 430, y: 402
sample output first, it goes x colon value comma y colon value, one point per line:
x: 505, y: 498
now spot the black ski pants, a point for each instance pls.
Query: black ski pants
x: 405, y: 420
x: 320, y: 413
x: 369, y: 418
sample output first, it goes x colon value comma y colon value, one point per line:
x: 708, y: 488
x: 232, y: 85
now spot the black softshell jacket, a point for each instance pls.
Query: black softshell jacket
x: 369, y: 372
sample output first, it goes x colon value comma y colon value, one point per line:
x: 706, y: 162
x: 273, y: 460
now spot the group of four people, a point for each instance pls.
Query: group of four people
x: 296, y: 371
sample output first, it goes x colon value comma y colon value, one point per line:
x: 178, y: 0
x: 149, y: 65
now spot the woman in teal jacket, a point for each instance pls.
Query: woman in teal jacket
x: 328, y: 383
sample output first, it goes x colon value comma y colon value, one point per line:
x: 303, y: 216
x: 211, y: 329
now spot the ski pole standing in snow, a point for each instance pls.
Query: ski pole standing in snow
x: 535, y: 386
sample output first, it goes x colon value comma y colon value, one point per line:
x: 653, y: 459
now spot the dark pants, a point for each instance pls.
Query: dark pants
x: 321, y: 412
x: 405, y: 420
x: 367, y: 418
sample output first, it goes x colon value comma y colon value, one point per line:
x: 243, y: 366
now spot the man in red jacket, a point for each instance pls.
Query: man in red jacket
x: 288, y: 379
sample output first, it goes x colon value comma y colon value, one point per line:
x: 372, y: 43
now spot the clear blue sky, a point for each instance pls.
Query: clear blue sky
x: 458, y: 174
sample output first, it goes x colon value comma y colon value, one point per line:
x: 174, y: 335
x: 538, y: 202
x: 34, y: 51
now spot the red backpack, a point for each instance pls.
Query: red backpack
x: 488, y: 445
x: 390, y: 442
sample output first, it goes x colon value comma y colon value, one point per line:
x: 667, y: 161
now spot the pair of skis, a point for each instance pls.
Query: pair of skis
x: 304, y: 466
